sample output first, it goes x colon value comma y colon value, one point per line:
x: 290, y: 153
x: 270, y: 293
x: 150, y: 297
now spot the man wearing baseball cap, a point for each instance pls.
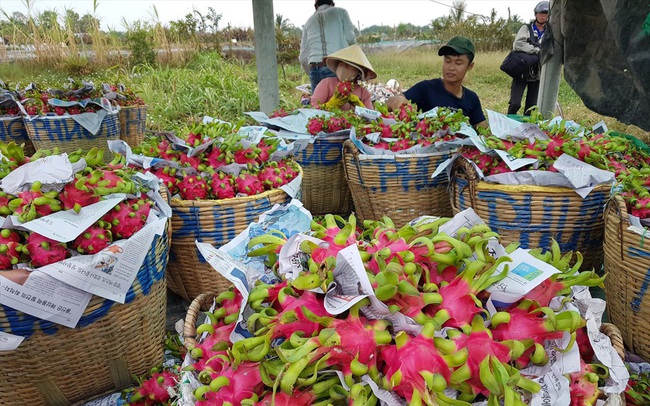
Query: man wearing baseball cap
x: 447, y: 91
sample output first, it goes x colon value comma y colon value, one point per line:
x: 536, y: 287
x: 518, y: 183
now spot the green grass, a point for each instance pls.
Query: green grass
x: 210, y: 85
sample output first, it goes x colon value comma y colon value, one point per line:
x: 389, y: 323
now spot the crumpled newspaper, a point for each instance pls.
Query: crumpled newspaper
x: 381, y: 92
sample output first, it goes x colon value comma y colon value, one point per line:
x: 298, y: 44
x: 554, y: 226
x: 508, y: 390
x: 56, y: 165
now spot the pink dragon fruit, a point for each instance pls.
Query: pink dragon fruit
x: 316, y: 125
x: 219, y: 157
x: 10, y: 249
x: 167, y: 175
x: 128, y: 217
x: 414, y: 367
x: 186, y: 160
x: 44, y: 251
x: 222, y: 185
x: 246, y: 156
x: 76, y: 195
x: 193, y: 187
x: 92, y: 240
x: 33, y: 203
x: 155, y: 389
x: 232, y: 386
x: 266, y: 148
x: 298, y: 398
x: 4, y: 204
x: 248, y: 184
x: 270, y: 177
x: 584, y: 385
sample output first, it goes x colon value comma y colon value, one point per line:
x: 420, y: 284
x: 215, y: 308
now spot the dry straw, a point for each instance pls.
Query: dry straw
x: 324, y: 188
x: 112, y: 343
x: 534, y: 215
x: 627, y: 263
x: 401, y: 188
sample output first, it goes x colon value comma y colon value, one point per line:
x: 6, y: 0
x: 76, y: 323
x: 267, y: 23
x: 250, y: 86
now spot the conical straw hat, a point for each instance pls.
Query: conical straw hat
x: 354, y: 56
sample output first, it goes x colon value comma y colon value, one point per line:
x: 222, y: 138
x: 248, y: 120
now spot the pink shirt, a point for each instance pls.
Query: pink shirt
x: 326, y: 88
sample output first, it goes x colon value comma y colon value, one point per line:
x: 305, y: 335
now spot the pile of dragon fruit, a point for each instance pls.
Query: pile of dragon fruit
x: 212, y: 161
x: 452, y: 352
x: 89, y: 186
x: 615, y: 154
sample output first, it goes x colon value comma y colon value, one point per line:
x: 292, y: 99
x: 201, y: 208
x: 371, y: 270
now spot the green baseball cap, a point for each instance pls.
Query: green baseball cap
x: 457, y: 45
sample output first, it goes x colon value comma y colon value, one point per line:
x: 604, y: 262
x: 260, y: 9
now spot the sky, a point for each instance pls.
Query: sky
x: 239, y: 13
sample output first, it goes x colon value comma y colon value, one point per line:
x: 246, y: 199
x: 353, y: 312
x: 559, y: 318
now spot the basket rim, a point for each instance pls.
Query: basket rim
x: 68, y: 116
x: 357, y: 153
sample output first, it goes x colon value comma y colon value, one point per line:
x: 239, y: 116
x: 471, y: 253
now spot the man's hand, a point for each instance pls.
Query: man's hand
x: 355, y: 100
x: 394, y: 102
x: 336, y: 102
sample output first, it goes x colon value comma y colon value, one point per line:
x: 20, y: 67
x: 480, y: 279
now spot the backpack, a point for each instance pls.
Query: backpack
x: 521, y: 65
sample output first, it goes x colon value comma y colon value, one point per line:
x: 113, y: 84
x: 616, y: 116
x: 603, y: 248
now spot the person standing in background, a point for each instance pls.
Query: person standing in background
x: 527, y: 40
x: 328, y: 30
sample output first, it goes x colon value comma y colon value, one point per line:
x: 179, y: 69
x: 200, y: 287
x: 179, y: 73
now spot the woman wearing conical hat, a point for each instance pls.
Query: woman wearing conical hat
x: 344, y: 91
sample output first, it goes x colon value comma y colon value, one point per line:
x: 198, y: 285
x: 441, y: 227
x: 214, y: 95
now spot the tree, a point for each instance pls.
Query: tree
x: 287, y: 41
x: 459, y: 7
x: 88, y: 23
x: 47, y: 20
x: 214, y: 19
x: 71, y: 20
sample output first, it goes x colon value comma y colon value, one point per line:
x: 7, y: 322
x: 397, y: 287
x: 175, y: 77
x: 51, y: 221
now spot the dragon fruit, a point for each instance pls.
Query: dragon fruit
x: 167, y: 175
x: 415, y: 368
x: 270, y: 177
x: 186, y: 160
x: 246, y: 156
x: 155, y: 390
x: 222, y: 185
x: 10, y: 249
x: 44, y: 251
x: 316, y: 125
x: 248, y: 184
x: 4, y: 204
x: 298, y: 398
x: 76, y: 195
x: 128, y: 217
x: 584, y: 385
x: 232, y: 386
x: 193, y: 187
x: 266, y: 148
x: 92, y: 240
x: 33, y: 203
x: 345, y: 88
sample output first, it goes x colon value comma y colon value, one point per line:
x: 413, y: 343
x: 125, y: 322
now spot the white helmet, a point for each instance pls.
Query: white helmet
x: 542, y: 7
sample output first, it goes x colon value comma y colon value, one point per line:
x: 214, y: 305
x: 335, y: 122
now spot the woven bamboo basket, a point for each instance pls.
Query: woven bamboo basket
x: 401, y: 188
x: 213, y: 222
x: 627, y: 263
x: 112, y: 342
x: 48, y: 132
x: 13, y: 129
x: 534, y: 215
x: 324, y: 188
x: 133, y: 122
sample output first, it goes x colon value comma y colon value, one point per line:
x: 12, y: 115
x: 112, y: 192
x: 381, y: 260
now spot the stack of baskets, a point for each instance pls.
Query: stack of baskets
x: 214, y: 222
x: 324, y: 188
x: 534, y: 215
x: 627, y: 263
x: 399, y: 186
x: 111, y: 344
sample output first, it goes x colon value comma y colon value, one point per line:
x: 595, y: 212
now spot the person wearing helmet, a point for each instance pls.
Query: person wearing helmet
x: 344, y: 91
x: 527, y: 40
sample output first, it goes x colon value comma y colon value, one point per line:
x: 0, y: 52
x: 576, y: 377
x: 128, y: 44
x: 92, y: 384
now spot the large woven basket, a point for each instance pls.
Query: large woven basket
x: 627, y: 263
x: 324, y: 188
x: 133, y: 122
x: 534, y: 215
x: 401, y: 188
x: 48, y: 132
x: 213, y: 222
x: 112, y: 342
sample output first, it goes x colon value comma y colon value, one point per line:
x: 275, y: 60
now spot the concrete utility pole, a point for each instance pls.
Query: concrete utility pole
x: 549, y: 86
x: 265, y: 55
